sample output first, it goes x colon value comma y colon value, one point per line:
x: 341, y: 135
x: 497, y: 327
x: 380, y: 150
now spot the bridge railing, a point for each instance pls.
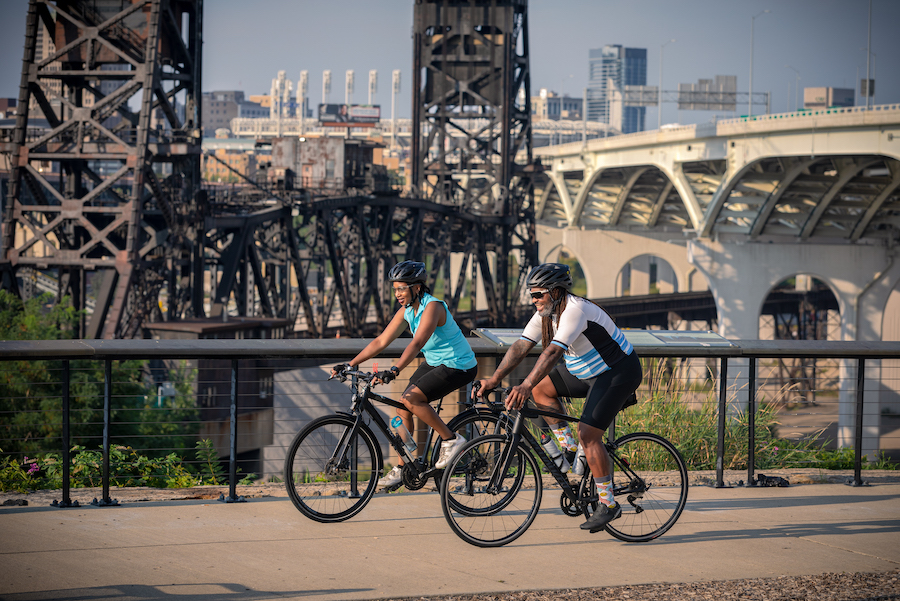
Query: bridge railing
x: 249, y: 397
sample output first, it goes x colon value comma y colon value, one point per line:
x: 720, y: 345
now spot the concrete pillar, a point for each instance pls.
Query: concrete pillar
x: 861, y: 277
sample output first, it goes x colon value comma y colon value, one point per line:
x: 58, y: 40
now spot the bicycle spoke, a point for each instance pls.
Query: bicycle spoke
x: 485, y: 508
x: 650, y: 483
x: 328, y: 477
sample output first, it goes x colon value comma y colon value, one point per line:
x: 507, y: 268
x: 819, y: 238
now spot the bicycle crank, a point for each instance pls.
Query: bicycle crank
x: 412, y: 478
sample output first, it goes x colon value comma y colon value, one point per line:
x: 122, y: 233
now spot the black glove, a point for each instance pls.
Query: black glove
x: 340, y: 368
x: 385, y: 376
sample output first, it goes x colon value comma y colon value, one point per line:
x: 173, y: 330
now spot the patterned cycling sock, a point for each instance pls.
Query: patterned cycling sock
x: 604, y: 489
x: 565, y: 437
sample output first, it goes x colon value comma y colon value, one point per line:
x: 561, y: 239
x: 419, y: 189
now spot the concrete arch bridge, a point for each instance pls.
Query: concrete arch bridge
x: 736, y: 207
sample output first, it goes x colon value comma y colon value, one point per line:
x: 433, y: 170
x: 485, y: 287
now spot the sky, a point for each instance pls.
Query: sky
x: 799, y: 43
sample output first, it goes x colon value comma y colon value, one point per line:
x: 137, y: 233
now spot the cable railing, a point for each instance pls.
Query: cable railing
x: 736, y: 405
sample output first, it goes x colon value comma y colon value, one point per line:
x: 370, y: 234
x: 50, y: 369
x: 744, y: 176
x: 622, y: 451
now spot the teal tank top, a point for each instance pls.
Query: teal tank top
x: 447, y: 345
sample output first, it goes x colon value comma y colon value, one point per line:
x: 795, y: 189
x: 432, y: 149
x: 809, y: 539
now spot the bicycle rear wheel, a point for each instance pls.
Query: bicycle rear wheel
x: 487, y: 515
x: 329, y: 477
x: 650, y: 482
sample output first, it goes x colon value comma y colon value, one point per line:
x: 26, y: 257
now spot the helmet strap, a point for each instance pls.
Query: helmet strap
x: 558, y: 299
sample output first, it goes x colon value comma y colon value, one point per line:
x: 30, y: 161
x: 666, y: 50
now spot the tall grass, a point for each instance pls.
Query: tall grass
x: 688, y: 416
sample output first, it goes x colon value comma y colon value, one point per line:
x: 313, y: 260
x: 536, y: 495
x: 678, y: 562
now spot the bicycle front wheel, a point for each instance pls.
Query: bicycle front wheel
x: 482, y: 507
x: 330, y: 476
x: 650, y: 482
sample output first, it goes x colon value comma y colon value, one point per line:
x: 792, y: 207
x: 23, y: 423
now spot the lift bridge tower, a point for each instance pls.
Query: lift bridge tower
x: 472, y: 139
x: 106, y: 198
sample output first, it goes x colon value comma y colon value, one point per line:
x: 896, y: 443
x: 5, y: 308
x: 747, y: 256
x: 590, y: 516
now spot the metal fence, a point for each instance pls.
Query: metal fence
x: 746, y: 404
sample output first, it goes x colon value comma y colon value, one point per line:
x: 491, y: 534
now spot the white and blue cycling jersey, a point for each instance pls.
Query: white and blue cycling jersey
x: 591, y: 340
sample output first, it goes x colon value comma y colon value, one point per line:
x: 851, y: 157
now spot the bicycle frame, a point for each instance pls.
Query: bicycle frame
x: 361, y: 406
x: 519, y: 433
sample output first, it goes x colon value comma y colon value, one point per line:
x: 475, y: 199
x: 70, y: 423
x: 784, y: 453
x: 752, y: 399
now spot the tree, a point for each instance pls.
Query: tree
x: 31, y: 392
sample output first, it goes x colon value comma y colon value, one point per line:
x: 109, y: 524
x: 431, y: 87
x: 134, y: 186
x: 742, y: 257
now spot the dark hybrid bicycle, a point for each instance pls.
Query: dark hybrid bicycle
x: 333, y: 464
x: 491, y: 491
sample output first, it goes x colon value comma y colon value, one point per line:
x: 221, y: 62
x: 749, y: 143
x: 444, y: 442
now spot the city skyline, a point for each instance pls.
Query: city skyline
x: 821, y: 42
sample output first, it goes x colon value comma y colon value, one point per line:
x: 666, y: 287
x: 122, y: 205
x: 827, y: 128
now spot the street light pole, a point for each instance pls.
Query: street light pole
x: 750, y: 95
x: 868, y: 56
x: 659, y: 90
x: 796, y: 88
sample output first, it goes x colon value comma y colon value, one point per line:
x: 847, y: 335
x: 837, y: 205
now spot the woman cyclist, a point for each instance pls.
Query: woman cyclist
x: 600, y: 366
x: 449, y: 363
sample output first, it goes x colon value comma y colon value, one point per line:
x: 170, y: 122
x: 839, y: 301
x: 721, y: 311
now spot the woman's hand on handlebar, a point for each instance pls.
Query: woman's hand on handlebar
x: 339, y: 369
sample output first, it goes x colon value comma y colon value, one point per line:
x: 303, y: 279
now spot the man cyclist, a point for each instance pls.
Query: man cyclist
x: 449, y: 363
x: 600, y: 366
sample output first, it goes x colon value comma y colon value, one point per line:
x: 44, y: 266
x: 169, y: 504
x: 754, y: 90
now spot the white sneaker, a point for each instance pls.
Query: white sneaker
x: 393, y: 477
x: 448, y: 451
x: 580, y: 462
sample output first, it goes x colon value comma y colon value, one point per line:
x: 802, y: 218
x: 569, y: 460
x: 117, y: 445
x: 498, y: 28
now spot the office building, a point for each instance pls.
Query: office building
x: 550, y: 106
x: 823, y: 98
x: 611, y: 68
x: 219, y: 108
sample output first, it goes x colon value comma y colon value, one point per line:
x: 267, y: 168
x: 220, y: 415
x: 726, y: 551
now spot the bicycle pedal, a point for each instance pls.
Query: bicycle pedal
x: 392, y: 487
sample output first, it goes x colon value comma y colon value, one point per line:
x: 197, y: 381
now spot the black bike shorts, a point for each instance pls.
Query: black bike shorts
x: 605, y: 395
x: 438, y: 382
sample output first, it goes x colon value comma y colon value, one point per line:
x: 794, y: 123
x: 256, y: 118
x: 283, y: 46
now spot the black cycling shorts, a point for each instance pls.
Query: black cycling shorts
x: 605, y: 395
x: 438, y: 382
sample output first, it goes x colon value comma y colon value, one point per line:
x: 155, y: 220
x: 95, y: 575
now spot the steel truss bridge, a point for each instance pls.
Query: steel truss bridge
x: 122, y: 218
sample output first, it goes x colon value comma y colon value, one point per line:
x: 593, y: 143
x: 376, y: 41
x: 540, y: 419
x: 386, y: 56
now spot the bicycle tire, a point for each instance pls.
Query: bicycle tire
x: 323, y: 492
x: 471, y: 423
x: 481, y: 517
x: 654, y: 493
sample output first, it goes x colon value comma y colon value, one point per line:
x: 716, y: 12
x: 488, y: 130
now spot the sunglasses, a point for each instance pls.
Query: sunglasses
x: 539, y: 294
x: 400, y: 289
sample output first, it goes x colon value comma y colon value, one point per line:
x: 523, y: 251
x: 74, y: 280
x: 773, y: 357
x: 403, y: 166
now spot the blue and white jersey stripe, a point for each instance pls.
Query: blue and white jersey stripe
x: 591, y: 340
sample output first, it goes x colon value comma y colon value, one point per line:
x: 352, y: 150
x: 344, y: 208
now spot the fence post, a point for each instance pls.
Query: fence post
x: 107, y: 419
x: 751, y: 424
x: 720, y: 445
x: 66, y: 459
x: 232, y: 456
x: 857, y: 446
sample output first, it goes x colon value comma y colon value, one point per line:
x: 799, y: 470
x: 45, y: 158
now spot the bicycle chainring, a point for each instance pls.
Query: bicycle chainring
x: 568, y: 507
x: 412, y: 480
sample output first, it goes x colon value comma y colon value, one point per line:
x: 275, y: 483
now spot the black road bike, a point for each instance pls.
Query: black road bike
x: 334, y: 463
x: 491, y: 491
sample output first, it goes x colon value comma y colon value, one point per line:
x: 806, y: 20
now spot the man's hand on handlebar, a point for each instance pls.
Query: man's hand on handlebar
x: 518, y: 396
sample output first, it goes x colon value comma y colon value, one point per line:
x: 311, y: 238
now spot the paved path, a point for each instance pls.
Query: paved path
x: 400, y: 546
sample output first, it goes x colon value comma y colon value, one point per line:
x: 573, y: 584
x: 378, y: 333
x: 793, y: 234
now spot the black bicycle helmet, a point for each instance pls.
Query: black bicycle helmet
x: 408, y: 272
x: 550, y: 276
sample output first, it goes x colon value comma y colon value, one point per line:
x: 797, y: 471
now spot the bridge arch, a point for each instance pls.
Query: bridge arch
x: 562, y: 254
x: 648, y: 273
x: 790, y: 297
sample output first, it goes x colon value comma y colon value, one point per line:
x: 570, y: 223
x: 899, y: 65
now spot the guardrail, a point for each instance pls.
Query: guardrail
x: 723, y: 356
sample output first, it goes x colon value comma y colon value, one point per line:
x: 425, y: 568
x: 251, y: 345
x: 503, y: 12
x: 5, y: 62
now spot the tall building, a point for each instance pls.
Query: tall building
x: 548, y: 105
x: 220, y: 107
x: 615, y: 67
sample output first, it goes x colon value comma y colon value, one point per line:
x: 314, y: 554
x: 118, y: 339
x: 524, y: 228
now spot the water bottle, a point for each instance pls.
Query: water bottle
x: 401, y: 431
x: 580, y: 461
x: 555, y: 453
